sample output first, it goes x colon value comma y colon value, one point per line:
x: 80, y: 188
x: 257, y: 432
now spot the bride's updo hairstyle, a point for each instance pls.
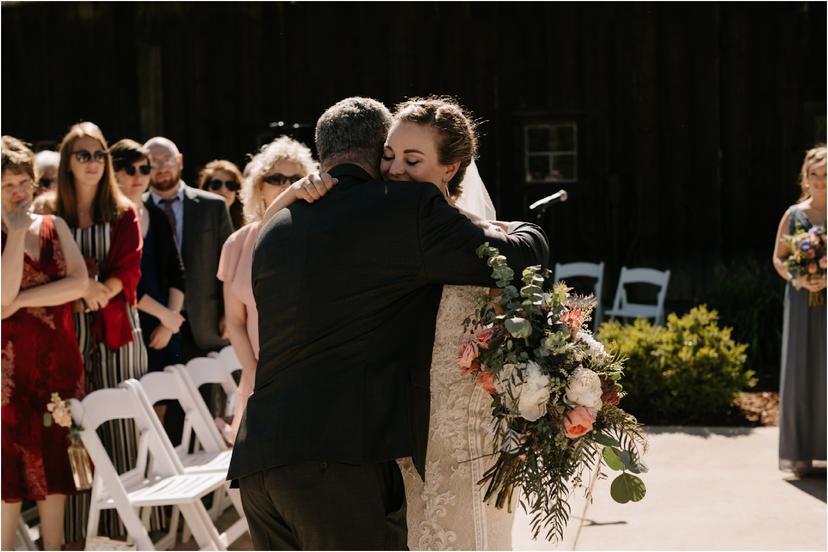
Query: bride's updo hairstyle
x: 456, y: 131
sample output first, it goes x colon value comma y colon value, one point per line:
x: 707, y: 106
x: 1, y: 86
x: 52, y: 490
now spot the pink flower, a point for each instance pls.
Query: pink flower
x: 484, y: 337
x: 822, y: 263
x: 812, y: 268
x: 475, y: 366
x: 574, y: 318
x: 486, y: 381
x: 578, y: 422
x: 467, y: 354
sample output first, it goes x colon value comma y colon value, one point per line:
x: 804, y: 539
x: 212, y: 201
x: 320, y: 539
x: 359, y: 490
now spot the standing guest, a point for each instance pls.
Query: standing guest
x: 802, y: 392
x: 201, y: 224
x: 46, y: 167
x: 43, y: 272
x: 223, y: 178
x: 269, y: 173
x: 106, y: 227
x: 161, y: 289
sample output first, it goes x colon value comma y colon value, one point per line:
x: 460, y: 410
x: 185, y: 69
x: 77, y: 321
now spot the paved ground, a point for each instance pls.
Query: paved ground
x: 707, y: 489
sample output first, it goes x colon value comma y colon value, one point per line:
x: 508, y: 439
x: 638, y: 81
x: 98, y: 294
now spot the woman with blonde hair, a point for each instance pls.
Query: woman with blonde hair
x: 222, y: 177
x: 105, y: 225
x: 270, y: 172
x: 802, y: 395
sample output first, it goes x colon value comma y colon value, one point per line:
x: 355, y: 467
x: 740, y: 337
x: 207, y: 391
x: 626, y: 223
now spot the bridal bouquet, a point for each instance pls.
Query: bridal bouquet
x: 555, y: 394
x: 808, y: 251
x: 58, y: 411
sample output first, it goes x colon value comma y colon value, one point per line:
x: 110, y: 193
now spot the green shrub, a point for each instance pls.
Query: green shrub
x: 749, y: 297
x: 687, y: 372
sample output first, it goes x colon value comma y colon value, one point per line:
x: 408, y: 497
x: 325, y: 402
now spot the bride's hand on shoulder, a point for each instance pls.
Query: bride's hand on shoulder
x: 314, y: 186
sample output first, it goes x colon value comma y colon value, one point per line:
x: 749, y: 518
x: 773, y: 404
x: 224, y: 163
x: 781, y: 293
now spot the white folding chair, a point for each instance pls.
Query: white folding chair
x: 586, y: 270
x: 26, y: 535
x: 214, y: 456
x: 622, y: 308
x: 158, y: 478
x: 230, y: 361
x: 203, y: 370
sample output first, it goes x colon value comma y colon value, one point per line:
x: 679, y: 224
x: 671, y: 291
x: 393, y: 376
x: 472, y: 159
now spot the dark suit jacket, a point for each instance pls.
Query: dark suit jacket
x: 169, y: 271
x: 206, y: 227
x: 347, y: 291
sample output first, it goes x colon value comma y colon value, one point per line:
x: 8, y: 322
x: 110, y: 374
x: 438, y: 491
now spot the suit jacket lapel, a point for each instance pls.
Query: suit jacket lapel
x: 190, y: 223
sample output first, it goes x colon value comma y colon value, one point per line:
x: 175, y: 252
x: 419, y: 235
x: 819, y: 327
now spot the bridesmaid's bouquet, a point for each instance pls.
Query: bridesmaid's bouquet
x: 807, y: 256
x: 555, y: 394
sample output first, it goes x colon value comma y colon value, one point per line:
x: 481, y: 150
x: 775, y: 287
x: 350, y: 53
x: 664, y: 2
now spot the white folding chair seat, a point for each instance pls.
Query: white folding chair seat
x: 214, y: 456
x: 623, y: 308
x: 157, y: 479
x: 586, y: 270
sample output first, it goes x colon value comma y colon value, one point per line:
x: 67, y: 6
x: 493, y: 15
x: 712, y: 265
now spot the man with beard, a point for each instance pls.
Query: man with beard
x: 201, y: 224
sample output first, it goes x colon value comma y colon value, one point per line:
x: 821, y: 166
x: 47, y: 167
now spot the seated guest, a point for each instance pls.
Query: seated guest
x: 223, y: 178
x: 43, y: 272
x: 161, y: 288
x: 268, y: 174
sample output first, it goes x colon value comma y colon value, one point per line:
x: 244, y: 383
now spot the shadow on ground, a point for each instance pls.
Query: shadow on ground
x: 814, y: 486
x: 700, y: 431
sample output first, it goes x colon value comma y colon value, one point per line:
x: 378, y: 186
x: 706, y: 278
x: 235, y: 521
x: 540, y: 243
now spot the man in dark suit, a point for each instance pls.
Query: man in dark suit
x: 347, y: 291
x: 201, y: 224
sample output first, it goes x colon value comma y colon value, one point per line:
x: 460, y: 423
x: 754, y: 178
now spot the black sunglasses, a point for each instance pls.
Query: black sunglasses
x: 278, y: 179
x: 44, y: 182
x: 231, y: 185
x: 85, y: 156
x: 145, y: 169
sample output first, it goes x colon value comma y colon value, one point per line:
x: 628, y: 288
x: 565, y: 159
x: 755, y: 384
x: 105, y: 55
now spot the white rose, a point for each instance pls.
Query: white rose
x: 534, y: 393
x: 594, y: 347
x: 584, y: 388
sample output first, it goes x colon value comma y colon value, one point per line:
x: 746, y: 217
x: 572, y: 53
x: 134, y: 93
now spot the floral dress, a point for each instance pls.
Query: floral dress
x: 40, y: 357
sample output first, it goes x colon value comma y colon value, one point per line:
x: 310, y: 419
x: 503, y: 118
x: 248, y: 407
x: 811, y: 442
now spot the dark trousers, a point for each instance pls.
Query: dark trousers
x: 326, y: 506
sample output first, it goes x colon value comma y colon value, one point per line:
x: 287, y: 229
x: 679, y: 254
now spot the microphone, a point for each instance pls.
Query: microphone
x: 558, y: 197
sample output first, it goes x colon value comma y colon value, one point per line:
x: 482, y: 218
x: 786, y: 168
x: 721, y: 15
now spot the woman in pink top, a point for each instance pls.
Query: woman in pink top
x: 269, y: 173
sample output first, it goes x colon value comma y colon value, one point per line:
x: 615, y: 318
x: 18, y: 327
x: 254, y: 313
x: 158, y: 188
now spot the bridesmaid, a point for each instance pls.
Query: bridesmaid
x: 43, y: 272
x: 106, y: 227
x: 802, y: 391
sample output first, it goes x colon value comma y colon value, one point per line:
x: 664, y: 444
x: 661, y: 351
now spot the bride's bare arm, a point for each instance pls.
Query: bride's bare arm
x: 310, y: 188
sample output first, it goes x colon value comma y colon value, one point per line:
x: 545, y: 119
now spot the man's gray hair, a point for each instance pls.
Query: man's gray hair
x: 353, y: 129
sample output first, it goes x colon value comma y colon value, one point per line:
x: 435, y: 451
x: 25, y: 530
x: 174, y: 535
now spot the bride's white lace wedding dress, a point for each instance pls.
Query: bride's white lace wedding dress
x: 447, y: 512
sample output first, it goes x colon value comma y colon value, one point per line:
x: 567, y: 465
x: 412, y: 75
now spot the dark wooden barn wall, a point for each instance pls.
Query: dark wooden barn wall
x: 692, y: 118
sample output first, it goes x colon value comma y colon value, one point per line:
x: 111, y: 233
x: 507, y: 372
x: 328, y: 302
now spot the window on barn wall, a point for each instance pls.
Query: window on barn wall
x: 551, y: 152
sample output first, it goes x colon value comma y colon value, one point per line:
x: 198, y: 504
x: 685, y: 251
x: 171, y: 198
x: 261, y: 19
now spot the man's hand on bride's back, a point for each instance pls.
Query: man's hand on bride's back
x: 314, y: 186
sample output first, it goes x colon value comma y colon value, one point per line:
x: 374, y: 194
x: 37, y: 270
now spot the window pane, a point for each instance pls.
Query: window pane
x: 563, y: 138
x: 537, y: 139
x: 563, y: 167
x: 538, y: 168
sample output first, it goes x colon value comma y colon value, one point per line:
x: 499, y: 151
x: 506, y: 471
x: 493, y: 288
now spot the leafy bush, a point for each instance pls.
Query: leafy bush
x: 687, y: 372
x: 749, y: 297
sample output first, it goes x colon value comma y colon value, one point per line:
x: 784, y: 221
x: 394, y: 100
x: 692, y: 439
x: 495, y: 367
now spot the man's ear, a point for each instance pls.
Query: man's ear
x: 180, y: 161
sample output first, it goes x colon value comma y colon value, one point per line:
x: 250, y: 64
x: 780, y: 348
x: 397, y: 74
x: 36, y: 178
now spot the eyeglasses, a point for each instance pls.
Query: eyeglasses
x: 145, y: 169
x: 44, y: 182
x: 161, y: 163
x: 278, y: 179
x: 85, y: 156
x: 231, y: 185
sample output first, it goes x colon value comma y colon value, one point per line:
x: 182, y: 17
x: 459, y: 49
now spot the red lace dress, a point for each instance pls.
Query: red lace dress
x: 40, y: 356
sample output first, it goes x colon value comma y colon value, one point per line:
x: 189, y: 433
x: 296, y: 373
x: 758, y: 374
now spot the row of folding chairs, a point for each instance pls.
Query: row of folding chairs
x: 622, y: 307
x: 165, y: 475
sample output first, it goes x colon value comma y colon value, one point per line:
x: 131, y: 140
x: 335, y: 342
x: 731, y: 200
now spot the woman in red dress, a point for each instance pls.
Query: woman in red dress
x: 43, y: 272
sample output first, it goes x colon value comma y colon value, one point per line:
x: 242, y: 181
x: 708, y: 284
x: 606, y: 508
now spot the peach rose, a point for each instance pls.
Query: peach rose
x: 812, y: 268
x: 822, y: 263
x: 578, y: 422
x: 475, y: 366
x: 486, y: 381
x: 484, y: 337
x: 467, y: 354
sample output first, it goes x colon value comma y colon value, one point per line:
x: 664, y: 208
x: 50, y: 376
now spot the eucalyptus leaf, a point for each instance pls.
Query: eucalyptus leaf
x: 47, y: 419
x: 612, y: 460
x: 639, y: 467
x: 606, y: 440
x: 625, y: 457
x: 519, y: 327
x: 626, y: 488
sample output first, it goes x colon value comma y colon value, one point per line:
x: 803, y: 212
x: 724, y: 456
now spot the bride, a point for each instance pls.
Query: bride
x: 432, y: 140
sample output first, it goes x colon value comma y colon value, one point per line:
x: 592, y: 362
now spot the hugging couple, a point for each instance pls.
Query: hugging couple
x: 361, y: 432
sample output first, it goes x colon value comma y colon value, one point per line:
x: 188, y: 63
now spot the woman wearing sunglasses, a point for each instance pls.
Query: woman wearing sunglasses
x: 223, y: 178
x: 161, y: 289
x: 105, y: 225
x: 269, y: 173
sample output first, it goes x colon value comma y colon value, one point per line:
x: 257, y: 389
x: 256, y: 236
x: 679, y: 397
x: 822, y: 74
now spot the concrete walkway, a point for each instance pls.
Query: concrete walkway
x: 707, y: 489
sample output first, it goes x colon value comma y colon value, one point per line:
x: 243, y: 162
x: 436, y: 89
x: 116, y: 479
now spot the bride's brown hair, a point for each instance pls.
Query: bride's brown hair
x: 456, y: 129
